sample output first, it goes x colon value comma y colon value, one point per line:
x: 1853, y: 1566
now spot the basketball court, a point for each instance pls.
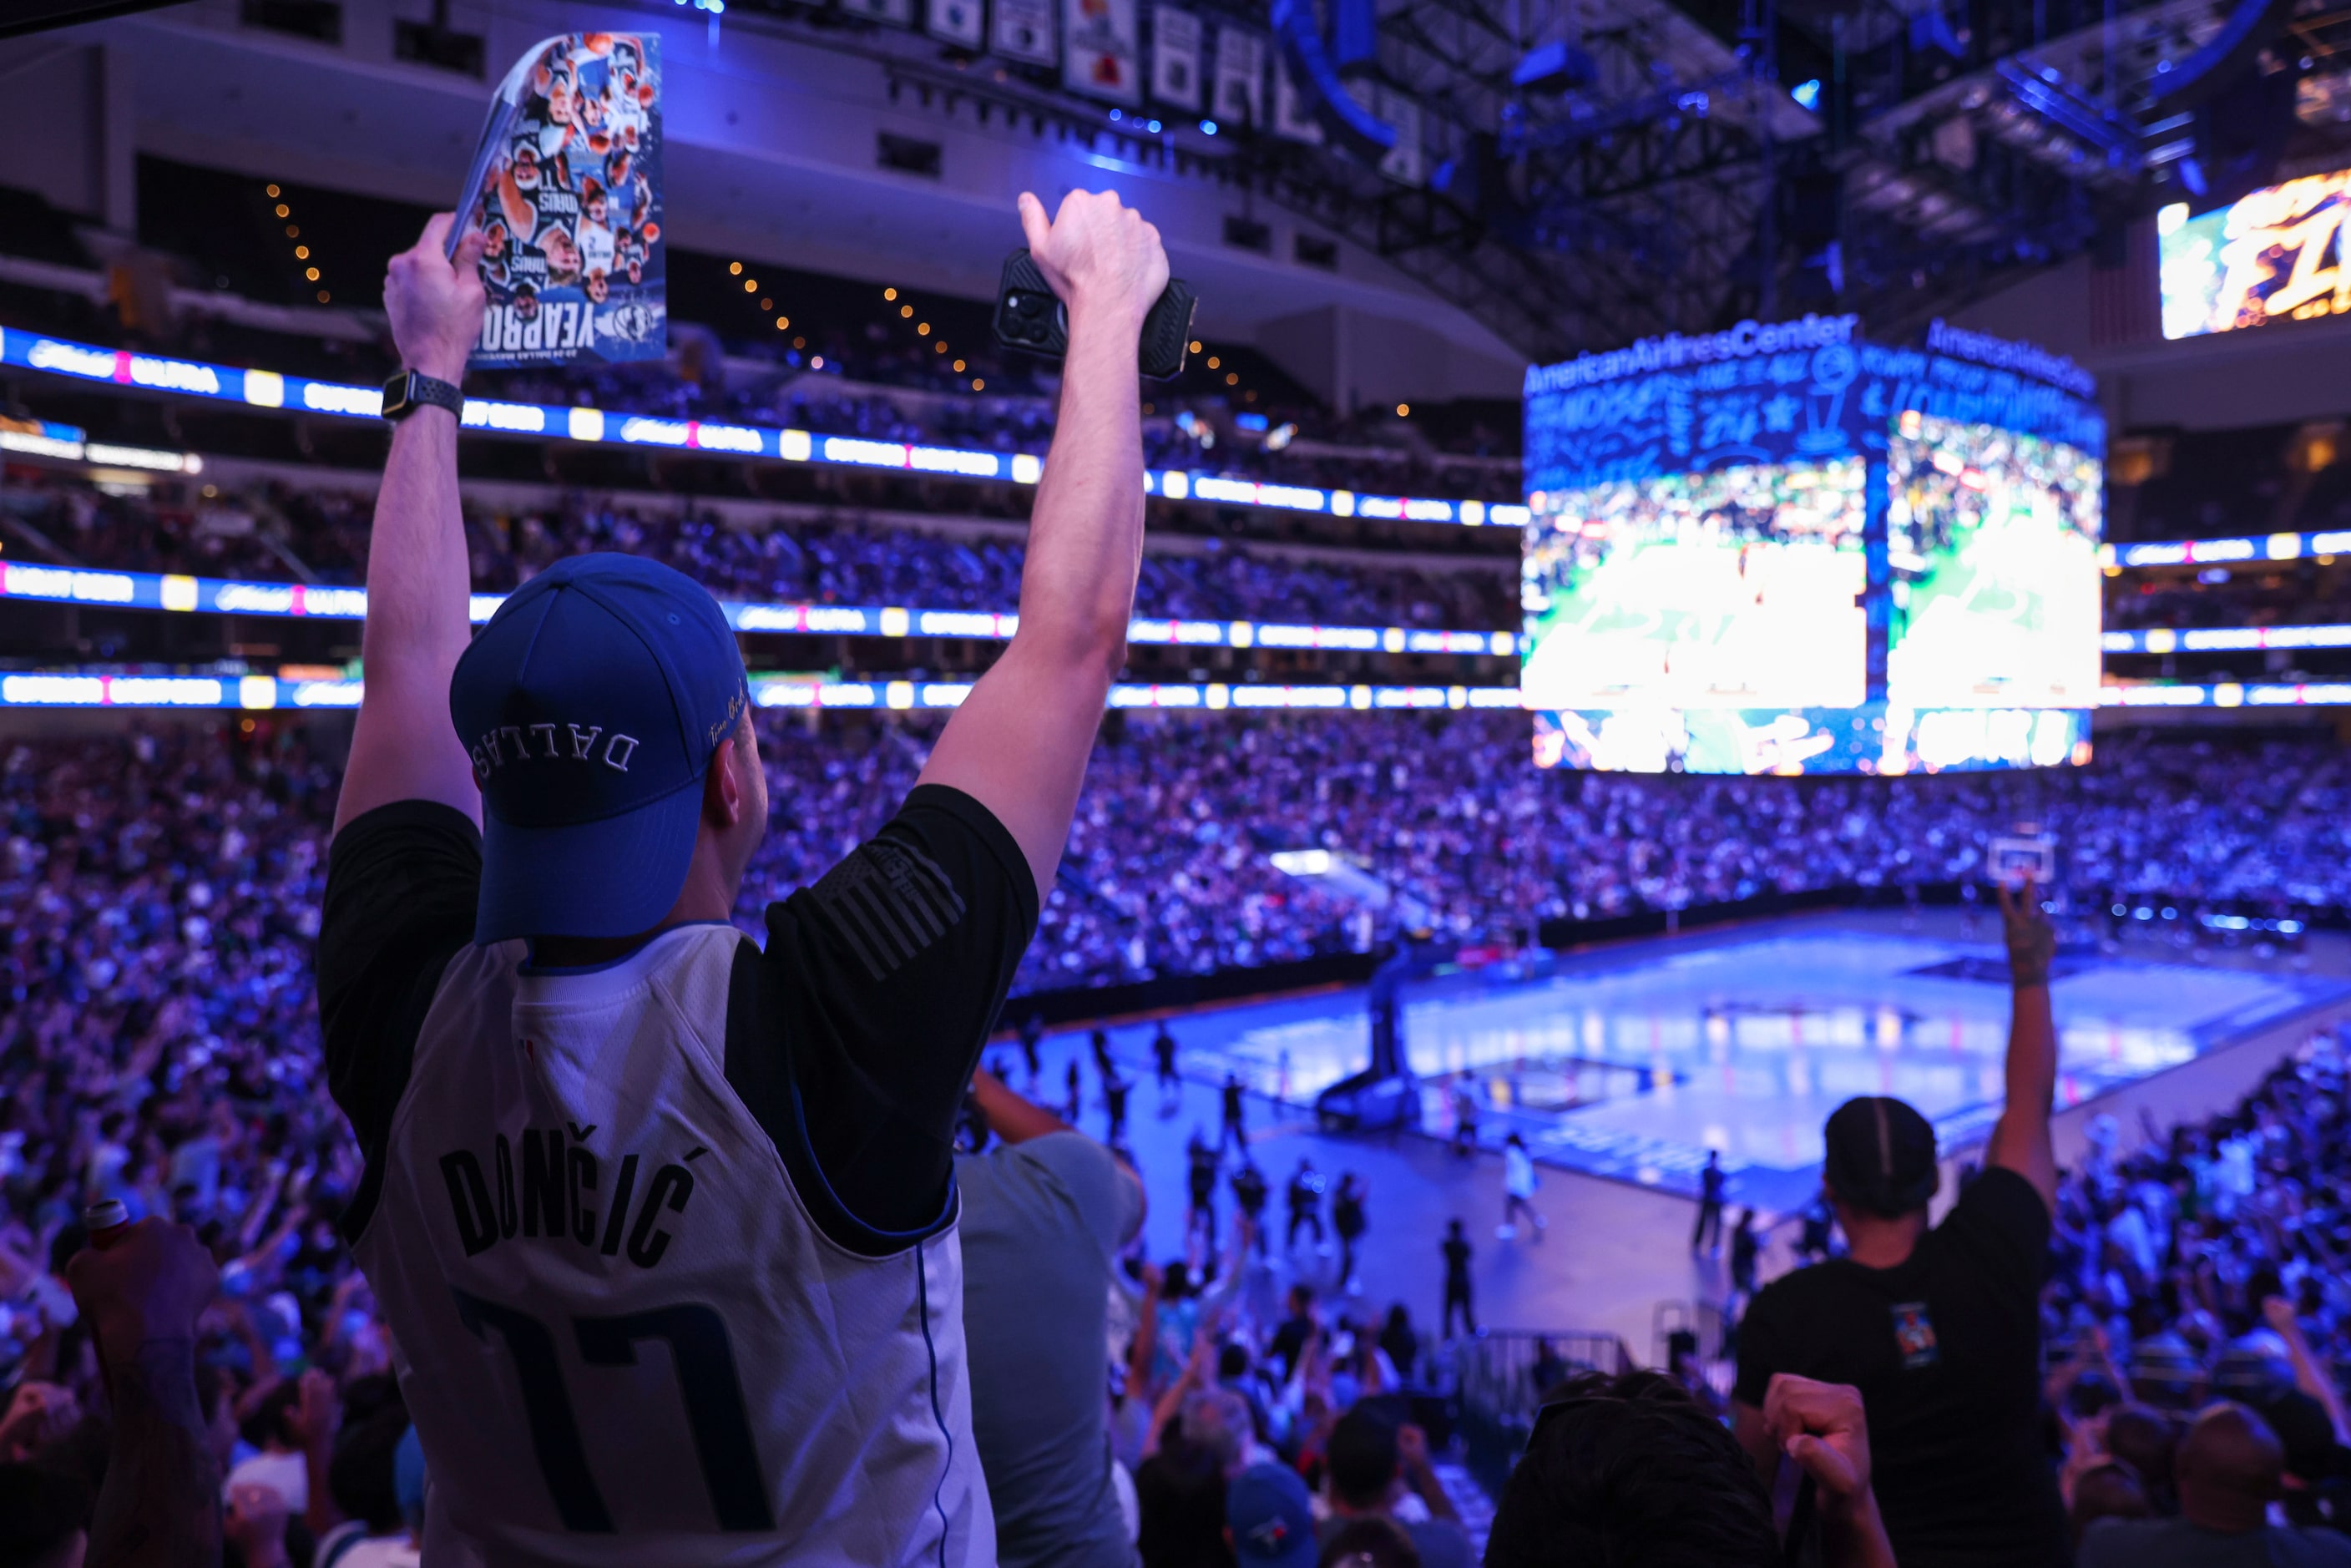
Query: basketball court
x: 1623, y: 1065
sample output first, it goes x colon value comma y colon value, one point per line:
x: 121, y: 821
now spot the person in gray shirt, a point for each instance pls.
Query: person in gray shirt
x: 1045, y: 1212
x: 2231, y: 1467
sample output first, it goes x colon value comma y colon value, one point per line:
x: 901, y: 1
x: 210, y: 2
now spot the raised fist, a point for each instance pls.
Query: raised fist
x: 2031, y: 940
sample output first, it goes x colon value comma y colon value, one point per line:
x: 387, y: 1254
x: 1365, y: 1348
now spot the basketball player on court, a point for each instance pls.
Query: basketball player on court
x: 663, y: 1218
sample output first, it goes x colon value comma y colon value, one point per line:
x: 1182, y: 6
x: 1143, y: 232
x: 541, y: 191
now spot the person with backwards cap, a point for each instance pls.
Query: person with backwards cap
x: 1938, y: 1326
x: 664, y: 1217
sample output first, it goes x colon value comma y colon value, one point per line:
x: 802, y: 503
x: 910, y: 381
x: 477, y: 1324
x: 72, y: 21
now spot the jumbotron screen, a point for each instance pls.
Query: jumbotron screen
x: 2276, y: 254
x: 1993, y: 552
x: 1783, y: 548
x: 1736, y: 589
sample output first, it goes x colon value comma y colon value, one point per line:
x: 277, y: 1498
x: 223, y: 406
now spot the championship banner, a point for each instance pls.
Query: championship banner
x: 1292, y: 118
x: 566, y: 186
x: 1240, y: 78
x: 1103, y: 54
x: 1175, y: 57
x: 1024, y: 31
x: 956, y: 22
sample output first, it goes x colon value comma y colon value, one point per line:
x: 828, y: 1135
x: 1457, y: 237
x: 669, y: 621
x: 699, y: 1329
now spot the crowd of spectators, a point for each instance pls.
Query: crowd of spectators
x: 2207, y: 1264
x: 274, y: 531
x: 2301, y: 595
x: 854, y: 395
x: 1167, y: 870
x: 853, y: 366
x: 161, y: 1045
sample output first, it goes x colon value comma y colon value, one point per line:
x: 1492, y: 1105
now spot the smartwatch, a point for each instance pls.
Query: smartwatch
x: 412, y: 390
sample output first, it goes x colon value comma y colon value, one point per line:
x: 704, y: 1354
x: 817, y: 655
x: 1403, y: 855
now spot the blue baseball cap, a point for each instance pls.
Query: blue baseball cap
x: 1271, y: 1518
x: 592, y: 704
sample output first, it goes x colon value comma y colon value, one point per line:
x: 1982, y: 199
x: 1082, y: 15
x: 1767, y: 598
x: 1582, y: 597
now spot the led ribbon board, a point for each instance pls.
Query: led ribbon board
x: 1783, y: 548
x: 2225, y: 552
x: 270, y: 389
x: 150, y: 590
x: 77, y: 689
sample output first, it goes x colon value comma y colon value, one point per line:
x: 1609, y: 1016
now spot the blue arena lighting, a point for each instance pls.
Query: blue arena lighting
x: 260, y: 693
x: 1207, y: 128
x: 152, y: 590
x: 272, y: 391
x: 2200, y: 552
x: 1807, y: 93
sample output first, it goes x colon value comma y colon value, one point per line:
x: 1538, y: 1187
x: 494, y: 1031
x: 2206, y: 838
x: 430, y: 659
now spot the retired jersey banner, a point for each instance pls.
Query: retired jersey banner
x: 1175, y: 57
x: 566, y: 189
x: 956, y: 22
x: 1024, y: 31
x: 1403, y: 163
x: 1240, y: 78
x: 1293, y: 116
x: 1101, y: 54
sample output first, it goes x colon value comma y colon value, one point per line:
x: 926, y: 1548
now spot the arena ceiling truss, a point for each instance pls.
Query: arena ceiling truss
x: 1673, y: 167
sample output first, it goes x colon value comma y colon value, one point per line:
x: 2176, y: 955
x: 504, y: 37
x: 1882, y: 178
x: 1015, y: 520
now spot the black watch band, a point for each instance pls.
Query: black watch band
x: 412, y: 390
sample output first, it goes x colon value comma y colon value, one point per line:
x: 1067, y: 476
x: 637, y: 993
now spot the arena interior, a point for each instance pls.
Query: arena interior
x: 1085, y: 783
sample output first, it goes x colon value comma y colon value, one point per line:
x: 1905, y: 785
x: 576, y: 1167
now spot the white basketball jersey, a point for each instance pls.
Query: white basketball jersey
x: 623, y: 1338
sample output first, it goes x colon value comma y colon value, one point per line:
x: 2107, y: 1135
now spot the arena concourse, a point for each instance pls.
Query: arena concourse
x: 1655, y: 869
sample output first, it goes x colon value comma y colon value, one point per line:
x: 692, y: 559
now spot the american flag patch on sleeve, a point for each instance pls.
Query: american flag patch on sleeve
x: 888, y: 901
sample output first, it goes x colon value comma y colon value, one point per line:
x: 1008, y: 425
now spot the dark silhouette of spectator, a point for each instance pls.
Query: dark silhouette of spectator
x: 1305, y: 1205
x: 1632, y: 1471
x: 1707, y: 1234
x: 1369, y: 1460
x: 2231, y: 1468
x: 2111, y: 1489
x: 1457, y: 1250
x: 1347, y: 1219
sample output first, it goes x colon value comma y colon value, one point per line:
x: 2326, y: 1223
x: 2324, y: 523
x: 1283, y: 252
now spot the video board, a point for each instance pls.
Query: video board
x: 1740, y: 588
x: 1992, y: 556
x: 1784, y: 549
x: 2276, y: 254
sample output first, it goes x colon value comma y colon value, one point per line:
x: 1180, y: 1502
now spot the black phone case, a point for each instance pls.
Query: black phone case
x: 1029, y: 317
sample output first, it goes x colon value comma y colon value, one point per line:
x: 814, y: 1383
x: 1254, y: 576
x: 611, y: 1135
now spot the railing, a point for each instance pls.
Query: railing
x: 1707, y: 1323
x: 1495, y: 1377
